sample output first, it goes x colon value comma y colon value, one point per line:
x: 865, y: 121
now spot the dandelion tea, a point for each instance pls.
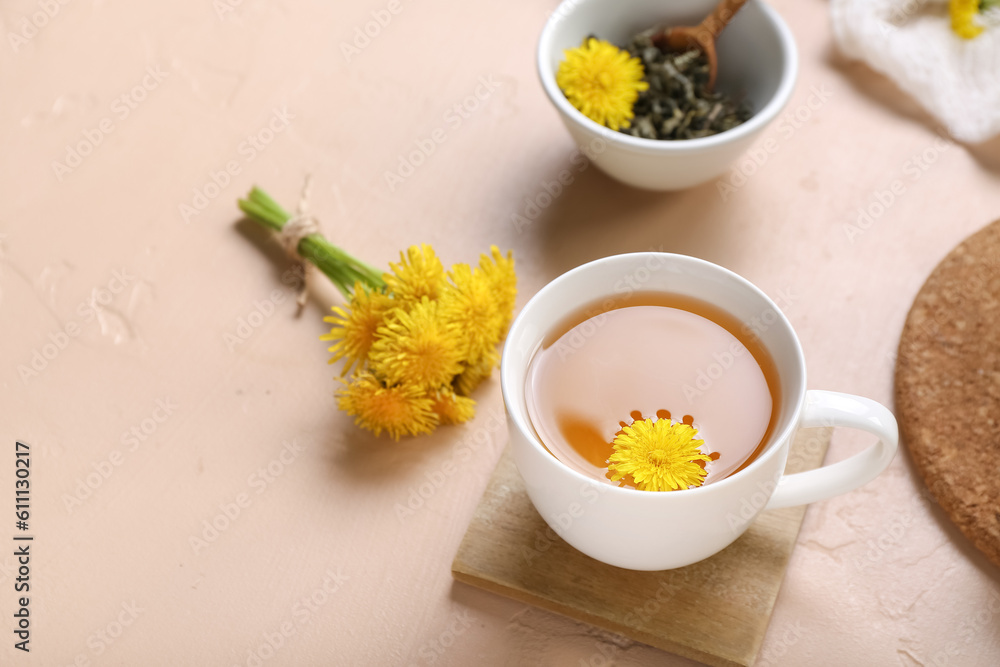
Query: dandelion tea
x: 652, y: 356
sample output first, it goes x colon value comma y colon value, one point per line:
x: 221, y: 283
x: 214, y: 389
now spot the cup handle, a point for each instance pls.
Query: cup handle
x: 831, y: 408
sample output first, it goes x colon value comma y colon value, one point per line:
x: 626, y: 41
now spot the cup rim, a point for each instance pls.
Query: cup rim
x: 756, y: 123
x: 523, y: 423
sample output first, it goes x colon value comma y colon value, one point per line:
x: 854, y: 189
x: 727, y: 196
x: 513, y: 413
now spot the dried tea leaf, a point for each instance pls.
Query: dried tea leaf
x: 677, y: 104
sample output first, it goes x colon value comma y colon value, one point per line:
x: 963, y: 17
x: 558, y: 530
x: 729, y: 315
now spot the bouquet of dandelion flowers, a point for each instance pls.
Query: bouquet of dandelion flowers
x: 414, y: 341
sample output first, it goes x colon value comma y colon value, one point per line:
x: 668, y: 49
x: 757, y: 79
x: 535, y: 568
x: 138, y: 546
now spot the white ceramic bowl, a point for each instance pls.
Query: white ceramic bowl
x: 757, y: 56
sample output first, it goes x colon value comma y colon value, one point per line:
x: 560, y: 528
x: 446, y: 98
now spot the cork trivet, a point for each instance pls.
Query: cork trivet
x: 948, y: 387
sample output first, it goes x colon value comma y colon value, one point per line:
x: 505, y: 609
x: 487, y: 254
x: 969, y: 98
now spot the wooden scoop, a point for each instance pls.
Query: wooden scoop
x: 701, y: 36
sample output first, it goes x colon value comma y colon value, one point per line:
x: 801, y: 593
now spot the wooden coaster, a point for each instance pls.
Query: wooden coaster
x: 715, y: 611
x: 948, y: 386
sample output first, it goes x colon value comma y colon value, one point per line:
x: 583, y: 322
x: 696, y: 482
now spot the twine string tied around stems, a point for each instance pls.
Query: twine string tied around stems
x: 298, y: 227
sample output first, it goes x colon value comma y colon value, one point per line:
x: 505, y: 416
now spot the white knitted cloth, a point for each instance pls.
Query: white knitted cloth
x: 910, y: 41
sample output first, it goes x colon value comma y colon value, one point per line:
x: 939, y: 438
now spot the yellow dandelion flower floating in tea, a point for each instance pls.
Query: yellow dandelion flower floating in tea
x: 964, y: 15
x: 417, y: 348
x: 452, y: 408
x: 602, y: 81
x: 419, y: 274
x: 400, y: 410
x: 658, y: 455
x: 355, y: 326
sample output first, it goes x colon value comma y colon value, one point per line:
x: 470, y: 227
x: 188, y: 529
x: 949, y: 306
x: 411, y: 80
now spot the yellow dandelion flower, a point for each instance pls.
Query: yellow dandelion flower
x: 963, y: 18
x: 419, y: 274
x: 469, y: 303
x: 470, y: 378
x: 602, y: 81
x: 400, y: 410
x: 499, y: 271
x: 417, y: 347
x: 355, y: 326
x: 452, y: 408
x: 658, y: 455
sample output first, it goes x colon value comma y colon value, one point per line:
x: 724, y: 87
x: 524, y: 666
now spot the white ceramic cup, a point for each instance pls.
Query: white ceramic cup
x: 757, y: 56
x: 643, y: 530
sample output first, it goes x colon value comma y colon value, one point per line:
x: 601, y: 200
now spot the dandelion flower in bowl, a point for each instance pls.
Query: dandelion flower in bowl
x: 602, y: 81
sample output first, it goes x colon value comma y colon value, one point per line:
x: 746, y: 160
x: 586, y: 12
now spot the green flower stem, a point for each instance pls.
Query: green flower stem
x: 342, y: 268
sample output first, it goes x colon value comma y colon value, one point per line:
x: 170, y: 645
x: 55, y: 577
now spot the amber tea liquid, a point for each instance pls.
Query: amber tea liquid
x: 652, y: 355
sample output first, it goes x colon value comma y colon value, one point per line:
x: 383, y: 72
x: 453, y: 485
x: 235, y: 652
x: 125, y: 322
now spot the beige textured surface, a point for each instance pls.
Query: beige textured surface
x: 715, y: 611
x: 878, y: 577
